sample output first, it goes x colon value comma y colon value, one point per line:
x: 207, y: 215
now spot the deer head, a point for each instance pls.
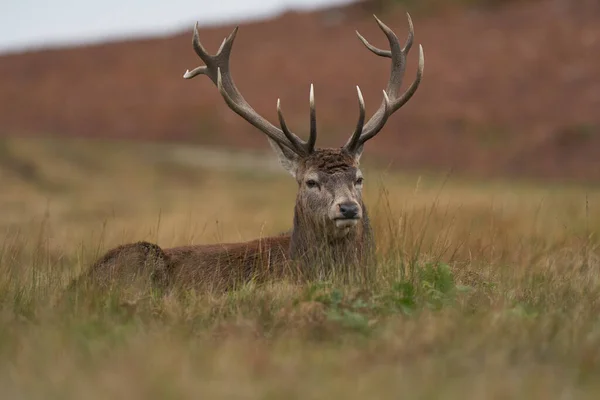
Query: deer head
x: 329, y: 200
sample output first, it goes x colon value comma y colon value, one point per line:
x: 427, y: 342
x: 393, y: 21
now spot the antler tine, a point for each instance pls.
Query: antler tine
x: 391, y: 101
x: 198, y: 48
x: 353, y: 142
x: 379, y: 52
x: 294, y: 140
x: 217, y: 69
x: 302, y: 146
x: 201, y: 52
x: 411, y: 35
x: 312, y: 139
x: 380, y: 123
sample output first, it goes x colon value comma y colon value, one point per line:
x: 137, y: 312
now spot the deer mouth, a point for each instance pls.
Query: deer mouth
x: 344, y: 223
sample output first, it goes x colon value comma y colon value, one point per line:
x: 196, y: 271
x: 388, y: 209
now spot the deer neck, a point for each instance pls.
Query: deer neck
x: 313, y: 243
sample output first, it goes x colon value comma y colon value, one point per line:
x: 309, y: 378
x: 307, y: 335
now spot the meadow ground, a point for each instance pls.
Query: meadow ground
x: 482, y: 289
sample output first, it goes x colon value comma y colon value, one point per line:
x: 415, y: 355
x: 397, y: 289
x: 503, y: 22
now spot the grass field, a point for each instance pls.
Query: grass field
x: 483, y: 290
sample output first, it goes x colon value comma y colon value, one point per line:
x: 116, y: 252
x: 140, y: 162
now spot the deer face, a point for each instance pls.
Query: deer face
x: 332, y: 198
x: 329, y: 188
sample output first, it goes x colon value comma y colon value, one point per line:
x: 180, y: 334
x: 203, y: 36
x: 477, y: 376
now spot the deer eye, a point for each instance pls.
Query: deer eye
x: 359, y: 181
x: 311, y: 183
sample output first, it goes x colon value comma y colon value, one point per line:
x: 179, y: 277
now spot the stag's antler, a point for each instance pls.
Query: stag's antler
x: 391, y: 101
x: 217, y: 69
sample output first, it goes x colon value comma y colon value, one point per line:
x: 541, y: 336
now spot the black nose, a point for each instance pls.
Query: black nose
x: 349, y: 210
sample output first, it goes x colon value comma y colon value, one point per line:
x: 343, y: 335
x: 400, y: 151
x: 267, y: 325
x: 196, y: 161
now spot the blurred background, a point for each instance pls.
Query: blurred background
x: 97, y: 122
x: 511, y: 87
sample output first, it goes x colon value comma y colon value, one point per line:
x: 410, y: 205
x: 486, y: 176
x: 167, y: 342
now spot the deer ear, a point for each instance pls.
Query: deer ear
x: 287, y: 158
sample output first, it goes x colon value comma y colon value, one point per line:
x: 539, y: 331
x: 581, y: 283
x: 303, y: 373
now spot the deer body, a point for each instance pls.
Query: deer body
x: 330, y: 225
x: 314, y: 239
x: 224, y: 265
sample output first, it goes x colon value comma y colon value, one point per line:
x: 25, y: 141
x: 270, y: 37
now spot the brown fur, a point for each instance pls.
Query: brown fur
x: 224, y: 265
x: 126, y: 264
x: 126, y: 271
x: 329, y: 161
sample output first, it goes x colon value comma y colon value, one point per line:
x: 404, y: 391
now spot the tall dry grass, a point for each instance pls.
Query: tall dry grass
x: 480, y: 290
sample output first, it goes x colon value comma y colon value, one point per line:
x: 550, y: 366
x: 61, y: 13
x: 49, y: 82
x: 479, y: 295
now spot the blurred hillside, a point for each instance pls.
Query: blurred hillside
x: 509, y: 90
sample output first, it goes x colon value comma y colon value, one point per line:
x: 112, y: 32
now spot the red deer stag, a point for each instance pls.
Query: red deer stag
x: 330, y: 218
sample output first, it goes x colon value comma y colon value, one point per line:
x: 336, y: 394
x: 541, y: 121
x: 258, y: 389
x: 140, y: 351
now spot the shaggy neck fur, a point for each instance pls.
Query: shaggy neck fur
x: 313, y: 245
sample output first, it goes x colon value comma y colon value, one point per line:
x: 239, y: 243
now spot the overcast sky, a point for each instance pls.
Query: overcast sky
x: 41, y: 23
